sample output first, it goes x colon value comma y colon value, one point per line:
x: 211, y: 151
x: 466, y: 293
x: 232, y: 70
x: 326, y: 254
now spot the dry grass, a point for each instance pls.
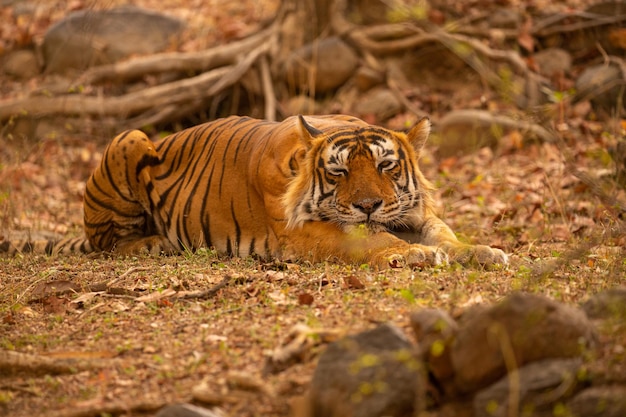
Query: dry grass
x: 157, y: 351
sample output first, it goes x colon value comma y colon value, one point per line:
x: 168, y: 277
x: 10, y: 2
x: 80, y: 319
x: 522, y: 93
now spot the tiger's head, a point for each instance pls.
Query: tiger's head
x: 354, y: 174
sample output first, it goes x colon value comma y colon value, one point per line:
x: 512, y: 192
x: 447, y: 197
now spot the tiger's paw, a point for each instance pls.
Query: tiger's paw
x: 150, y: 245
x: 413, y: 256
x: 477, y: 254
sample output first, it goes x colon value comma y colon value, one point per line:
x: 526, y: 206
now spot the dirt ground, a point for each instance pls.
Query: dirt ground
x: 135, y: 334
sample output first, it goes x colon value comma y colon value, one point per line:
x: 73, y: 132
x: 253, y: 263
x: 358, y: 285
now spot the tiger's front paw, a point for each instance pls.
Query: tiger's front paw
x: 477, y: 254
x: 413, y: 256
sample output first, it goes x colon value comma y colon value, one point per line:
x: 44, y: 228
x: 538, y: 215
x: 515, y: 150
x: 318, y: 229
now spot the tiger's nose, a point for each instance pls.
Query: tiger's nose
x: 368, y: 205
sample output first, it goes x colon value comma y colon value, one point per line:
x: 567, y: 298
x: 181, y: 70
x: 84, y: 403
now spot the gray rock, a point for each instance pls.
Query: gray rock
x: 602, y: 401
x: 526, y: 327
x: 379, y: 102
x: 538, y: 386
x: 370, y: 374
x: 603, y: 85
x: 21, y: 64
x: 88, y: 38
x: 551, y: 61
x: 435, y: 330
x: 301, y: 104
x: 366, y: 78
x: 505, y: 18
x: 607, y: 304
x: 332, y: 60
x: 467, y: 130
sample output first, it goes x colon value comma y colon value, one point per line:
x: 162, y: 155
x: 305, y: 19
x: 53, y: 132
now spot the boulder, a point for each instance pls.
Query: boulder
x: 536, y: 386
x: 521, y: 329
x: 331, y: 61
x: 379, y: 102
x: 93, y: 37
x: 607, y: 304
x: 602, y: 401
x: 371, y: 374
x: 553, y: 61
x: 603, y: 86
x: 463, y: 131
x: 21, y: 64
x: 435, y: 330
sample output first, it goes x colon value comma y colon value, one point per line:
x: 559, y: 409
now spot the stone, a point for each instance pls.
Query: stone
x: 88, y: 38
x: 460, y: 132
x: 553, y: 61
x: 370, y: 374
x: 379, y: 102
x: 366, y: 78
x: 330, y: 60
x: 505, y: 18
x: 435, y: 330
x: 21, y: 64
x: 464, y: 131
x: 603, y: 86
x: 601, y: 401
x: 538, y: 386
x: 524, y: 328
x: 301, y: 104
x: 607, y: 304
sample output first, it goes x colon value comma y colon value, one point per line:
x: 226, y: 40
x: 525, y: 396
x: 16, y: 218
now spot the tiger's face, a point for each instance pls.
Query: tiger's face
x: 360, y: 175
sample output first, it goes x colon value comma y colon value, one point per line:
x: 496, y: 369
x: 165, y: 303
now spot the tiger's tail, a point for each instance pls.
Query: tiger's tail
x: 46, y: 247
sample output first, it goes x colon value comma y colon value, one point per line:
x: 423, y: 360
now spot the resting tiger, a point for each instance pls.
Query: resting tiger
x: 315, y: 188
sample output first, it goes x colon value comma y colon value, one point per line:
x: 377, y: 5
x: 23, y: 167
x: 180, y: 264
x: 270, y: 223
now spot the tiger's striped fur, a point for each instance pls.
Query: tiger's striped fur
x: 324, y: 187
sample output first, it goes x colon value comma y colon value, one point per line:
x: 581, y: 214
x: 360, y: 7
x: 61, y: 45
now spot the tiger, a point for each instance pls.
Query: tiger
x: 315, y: 188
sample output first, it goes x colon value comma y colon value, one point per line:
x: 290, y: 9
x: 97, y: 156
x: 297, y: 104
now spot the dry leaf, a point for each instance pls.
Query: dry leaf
x: 352, y: 282
x: 305, y: 299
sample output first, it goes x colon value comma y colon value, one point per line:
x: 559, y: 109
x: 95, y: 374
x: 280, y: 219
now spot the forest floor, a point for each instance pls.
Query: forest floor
x: 137, y: 343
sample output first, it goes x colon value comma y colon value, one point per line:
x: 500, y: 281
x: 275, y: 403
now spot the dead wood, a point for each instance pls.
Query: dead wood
x: 222, y: 55
x: 264, y: 52
x: 167, y: 95
x: 17, y: 363
x: 211, y: 292
x: 106, y: 407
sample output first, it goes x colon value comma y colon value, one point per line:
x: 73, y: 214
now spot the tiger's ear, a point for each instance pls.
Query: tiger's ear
x: 307, y: 132
x: 418, y: 135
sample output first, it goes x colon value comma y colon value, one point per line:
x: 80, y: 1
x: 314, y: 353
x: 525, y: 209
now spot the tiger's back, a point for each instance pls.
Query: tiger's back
x: 206, y: 186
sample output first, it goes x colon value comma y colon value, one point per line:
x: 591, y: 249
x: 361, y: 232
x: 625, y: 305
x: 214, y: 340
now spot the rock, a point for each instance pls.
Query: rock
x: 603, y: 86
x: 538, y: 386
x: 301, y: 104
x: 553, y: 61
x: 21, y: 64
x: 505, y: 18
x: 527, y: 327
x: 435, y: 330
x: 366, y: 78
x: 370, y: 374
x: 88, y: 38
x: 602, y: 401
x: 333, y: 62
x: 188, y: 410
x: 463, y: 131
x: 607, y: 304
x: 379, y: 102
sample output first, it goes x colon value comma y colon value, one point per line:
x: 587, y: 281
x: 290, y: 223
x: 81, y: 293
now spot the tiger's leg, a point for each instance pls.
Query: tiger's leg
x: 120, y: 199
x: 435, y: 233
